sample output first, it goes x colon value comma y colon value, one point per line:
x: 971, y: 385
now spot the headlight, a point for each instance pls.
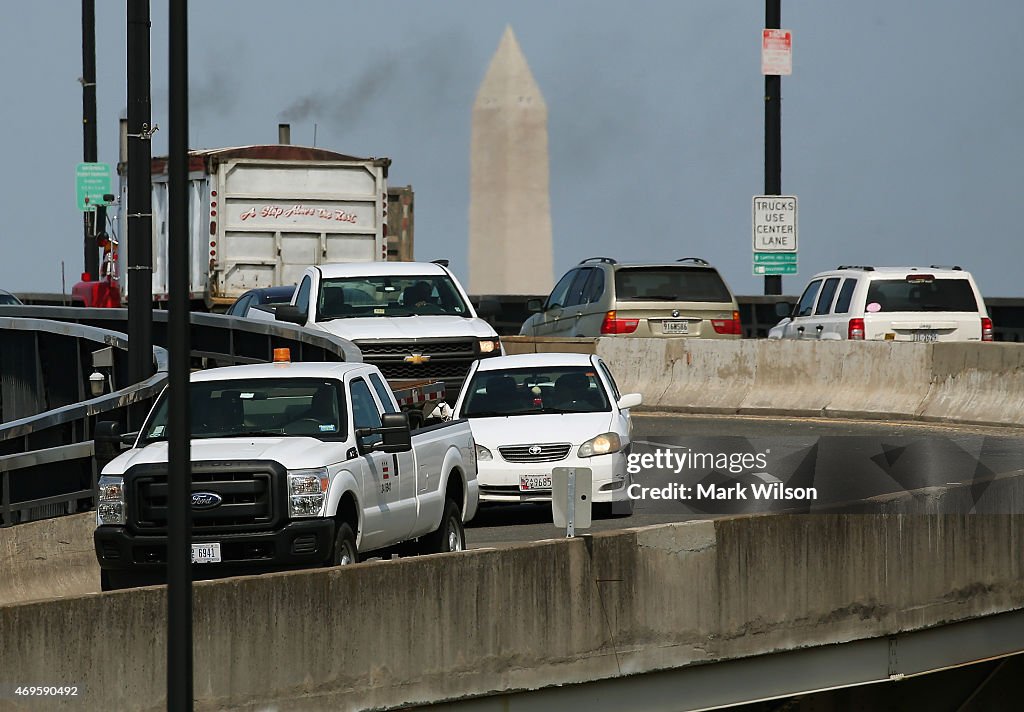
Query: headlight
x: 110, y: 504
x: 483, y: 453
x: 307, y: 491
x: 489, y: 346
x: 601, y: 445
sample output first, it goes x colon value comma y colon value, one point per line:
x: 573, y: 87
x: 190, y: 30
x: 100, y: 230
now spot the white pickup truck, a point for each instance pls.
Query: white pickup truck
x: 293, y: 465
x: 412, y: 319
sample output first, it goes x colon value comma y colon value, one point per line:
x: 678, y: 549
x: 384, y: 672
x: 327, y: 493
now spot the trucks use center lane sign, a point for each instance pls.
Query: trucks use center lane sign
x: 775, y: 235
x: 774, y: 223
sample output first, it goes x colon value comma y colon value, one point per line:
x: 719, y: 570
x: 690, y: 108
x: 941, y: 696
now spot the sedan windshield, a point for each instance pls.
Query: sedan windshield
x: 531, y: 391
x: 426, y: 295
x: 258, y: 407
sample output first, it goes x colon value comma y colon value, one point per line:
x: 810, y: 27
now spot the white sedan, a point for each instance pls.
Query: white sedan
x: 533, y: 412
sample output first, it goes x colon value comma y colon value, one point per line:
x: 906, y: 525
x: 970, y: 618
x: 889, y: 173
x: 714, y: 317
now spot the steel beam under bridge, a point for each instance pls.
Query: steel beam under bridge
x: 766, y: 677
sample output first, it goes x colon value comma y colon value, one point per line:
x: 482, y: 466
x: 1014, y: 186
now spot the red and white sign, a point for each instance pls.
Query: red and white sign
x: 777, y: 52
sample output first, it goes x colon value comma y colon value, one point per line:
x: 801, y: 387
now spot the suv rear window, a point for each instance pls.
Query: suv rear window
x: 940, y: 295
x: 670, y: 284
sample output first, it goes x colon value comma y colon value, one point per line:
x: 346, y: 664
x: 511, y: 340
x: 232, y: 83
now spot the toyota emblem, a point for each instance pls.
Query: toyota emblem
x: 675, y: 312
x: 536, y: 449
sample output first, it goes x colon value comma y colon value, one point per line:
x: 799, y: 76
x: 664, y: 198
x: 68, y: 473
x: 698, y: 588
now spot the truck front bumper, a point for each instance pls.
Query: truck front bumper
x: 297, y: 544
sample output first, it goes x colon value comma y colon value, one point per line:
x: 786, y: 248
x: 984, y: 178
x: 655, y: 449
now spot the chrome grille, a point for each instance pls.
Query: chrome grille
x: 550, y: 452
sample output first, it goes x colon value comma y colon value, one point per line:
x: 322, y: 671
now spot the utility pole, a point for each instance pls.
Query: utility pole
x: 89, y: 152
x: 772, y: 132
x: 139, y: 224
x: 179, y: 487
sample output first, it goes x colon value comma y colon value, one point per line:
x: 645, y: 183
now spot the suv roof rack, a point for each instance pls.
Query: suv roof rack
x: 605, y: 260
x: 443, y: 263
x: 695, y: 260
x: 955, y: 268
x: 866, y: 268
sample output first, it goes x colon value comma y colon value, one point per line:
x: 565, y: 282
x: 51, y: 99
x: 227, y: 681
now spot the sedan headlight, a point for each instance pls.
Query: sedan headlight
x: 307, y: 491
x: 603, y: 444
x: 483, y: 453
x: 110, y: 504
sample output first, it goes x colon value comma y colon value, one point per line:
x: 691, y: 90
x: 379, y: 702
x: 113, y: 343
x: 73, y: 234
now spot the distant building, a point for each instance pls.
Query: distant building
x: 510, y: 248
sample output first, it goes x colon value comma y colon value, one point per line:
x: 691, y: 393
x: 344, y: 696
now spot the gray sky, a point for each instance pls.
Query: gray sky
x: 902, y: 122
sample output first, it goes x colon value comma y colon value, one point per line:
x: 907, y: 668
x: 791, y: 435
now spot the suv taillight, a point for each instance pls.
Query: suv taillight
x: 986, y: 329
x: 615, y: 325
x: 728, y: 326
x: 856, y: 330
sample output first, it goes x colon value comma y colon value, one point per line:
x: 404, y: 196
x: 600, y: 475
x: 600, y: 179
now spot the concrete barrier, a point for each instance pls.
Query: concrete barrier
x: 972, y: 383
x: 48, y: 559
x: 437, y: 628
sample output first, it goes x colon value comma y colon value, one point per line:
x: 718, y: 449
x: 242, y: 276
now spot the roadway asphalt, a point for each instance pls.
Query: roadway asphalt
x: 842, y: 461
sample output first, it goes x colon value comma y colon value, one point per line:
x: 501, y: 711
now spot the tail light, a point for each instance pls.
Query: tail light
x: 986, y: 329
x: 856, y: 330
x: 728, y: 326
x: 615, y: 325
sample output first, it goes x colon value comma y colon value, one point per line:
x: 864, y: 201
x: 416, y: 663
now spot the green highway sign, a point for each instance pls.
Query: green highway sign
x: 773, y: 258
x: 774, y: 263
x: 92, y: 182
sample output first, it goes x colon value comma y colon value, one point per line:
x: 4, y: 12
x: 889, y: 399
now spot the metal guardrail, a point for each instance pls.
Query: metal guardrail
x: 46, y: 458
x: 47, y: 463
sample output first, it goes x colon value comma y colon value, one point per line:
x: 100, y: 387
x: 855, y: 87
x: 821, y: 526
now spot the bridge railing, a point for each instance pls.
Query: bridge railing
x: 47, y: 463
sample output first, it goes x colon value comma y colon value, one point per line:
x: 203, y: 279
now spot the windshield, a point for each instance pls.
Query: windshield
x: 530, y: 391
x: 349, y: 297
x: 670, y: 284
x: 254, y: 407
x: 916, y: 294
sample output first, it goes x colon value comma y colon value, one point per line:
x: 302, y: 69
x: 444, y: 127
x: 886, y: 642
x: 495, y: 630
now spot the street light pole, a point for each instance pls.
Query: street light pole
x: 179, y: 476
x: 139, y: 222
x: 89, y: 151
x: 772, y: 132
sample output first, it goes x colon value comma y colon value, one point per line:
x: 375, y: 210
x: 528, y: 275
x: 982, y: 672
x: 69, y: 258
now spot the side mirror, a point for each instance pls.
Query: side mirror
x: 286, y: 312
x: 488, y: 307
x: 109, y: 441
x: 630, y: 400
x: 394, y: 432
x: 783, y: 309
x: 534, y: 305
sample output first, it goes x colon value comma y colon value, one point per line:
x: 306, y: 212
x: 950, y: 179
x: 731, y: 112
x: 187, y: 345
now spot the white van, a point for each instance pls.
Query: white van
x: 890, y: 304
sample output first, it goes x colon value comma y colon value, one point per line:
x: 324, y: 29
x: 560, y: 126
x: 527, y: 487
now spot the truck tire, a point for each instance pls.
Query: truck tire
x: 345, y: 552
x: 449, y: 536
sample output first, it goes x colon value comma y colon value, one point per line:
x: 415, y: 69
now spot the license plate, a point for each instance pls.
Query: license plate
x: 675, y: 327
x: 926, y: 336
x: 529, y: 483
x: 206, y: 553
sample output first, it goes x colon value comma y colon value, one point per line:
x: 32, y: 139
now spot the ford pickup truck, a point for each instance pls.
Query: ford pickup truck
x: 294, y: 465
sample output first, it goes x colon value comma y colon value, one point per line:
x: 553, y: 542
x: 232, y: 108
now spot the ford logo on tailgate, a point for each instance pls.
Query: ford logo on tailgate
x: 205, y: 500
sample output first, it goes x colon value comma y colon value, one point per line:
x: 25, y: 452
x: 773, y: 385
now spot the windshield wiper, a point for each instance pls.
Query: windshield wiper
x: 261, y: 433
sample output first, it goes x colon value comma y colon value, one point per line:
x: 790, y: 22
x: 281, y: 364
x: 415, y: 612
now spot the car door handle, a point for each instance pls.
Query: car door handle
x: 819, y: 327
x: 800, y: 329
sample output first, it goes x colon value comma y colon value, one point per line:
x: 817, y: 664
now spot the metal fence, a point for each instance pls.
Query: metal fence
x: 47, y: 463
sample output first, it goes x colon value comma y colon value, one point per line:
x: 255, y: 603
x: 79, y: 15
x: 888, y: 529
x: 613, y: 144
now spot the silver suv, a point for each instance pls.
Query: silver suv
x: 888, y: 303
x: 602, y: 297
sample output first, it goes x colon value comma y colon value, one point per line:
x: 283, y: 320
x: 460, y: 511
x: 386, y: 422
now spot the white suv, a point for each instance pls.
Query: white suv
x: 889, y: 303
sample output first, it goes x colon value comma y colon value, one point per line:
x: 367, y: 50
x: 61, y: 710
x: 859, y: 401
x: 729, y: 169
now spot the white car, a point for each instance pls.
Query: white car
x: 889, y: 303
x: 533, y: 412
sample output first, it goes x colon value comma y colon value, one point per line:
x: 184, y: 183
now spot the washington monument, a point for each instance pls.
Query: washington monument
x: 509, y: 200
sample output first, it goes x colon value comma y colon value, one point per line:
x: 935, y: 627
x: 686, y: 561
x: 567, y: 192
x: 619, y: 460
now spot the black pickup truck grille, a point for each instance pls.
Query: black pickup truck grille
x: 252, y: 495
